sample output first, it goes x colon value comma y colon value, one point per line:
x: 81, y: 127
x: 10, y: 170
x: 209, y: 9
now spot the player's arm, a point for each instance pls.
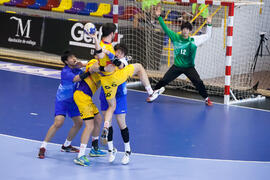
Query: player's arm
x: 99, y: 51
x: 120, y: 63
x: 172, y: 35
x: 199, y: 40
x: 93, y: 66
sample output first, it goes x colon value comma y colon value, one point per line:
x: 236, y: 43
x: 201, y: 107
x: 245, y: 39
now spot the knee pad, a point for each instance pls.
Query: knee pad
x: 125, y: 135
x: 110, y: 134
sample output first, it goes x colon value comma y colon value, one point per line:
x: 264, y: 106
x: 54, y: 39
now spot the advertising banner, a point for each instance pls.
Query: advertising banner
x: 20, y: 32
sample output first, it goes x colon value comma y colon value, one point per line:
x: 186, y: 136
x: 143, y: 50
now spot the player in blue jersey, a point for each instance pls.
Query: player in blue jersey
x: 64, y: 103
x: 121, y: 108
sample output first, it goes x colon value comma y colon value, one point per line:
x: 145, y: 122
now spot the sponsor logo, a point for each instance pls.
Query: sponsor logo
x: 81, y: 39
x: 22, y: 35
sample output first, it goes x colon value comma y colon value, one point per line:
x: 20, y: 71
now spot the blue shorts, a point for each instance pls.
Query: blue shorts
x: 66, y: 107
x: 121, y: 103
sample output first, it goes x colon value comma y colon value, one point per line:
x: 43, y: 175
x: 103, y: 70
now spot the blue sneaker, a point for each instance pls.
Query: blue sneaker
x: 97, y: 153
x: 83, y: 161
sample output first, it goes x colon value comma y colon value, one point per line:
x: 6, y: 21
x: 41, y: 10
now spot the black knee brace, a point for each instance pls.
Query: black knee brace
x: 125, y: 135
x: 110, y: 134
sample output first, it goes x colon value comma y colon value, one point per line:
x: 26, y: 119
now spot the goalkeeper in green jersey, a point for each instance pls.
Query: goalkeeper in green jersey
x: 185, y: 48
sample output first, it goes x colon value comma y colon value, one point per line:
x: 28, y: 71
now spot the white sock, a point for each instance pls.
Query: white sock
x: 67, y: 143
x: 44, y: 144
x: 110, y: 145
x: 206, y: 99
x: 149, y: 89
x: 127, y: 147
x: 82, y: 150
x: 94, y: 138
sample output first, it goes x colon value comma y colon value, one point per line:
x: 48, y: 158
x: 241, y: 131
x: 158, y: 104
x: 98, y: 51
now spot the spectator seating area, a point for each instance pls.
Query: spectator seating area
x: 79, y: 7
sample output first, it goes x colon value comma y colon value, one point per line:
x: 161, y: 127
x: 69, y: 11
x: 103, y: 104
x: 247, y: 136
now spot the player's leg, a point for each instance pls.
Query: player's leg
x: 140, y: 71
x: 58, y: 122
x: 194, y: 77
x: 77, y: 124
x: 95, y: 151
x: 169, y: 76
x: 108, y: 119
x: 88, y: 111
x: 74, y: 113
x: 121, y: 120
x: 89, y: 126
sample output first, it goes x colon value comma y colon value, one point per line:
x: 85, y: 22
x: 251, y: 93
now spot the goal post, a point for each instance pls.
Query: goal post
x: 223, y: 62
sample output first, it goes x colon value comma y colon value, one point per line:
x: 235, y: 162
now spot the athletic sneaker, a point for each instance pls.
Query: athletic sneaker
x: 155, y: 94
x: 104, y: 136
x: 83, y: 161
x: 125, y: 159
x: 97, y: 153
x: 112, y: 154
x: 41, y: 153
x: 69, y: 149
x: 208, y: 102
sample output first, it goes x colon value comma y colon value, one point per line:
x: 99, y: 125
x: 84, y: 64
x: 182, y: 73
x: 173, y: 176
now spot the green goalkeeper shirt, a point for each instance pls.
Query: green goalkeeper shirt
x: 185, y: 49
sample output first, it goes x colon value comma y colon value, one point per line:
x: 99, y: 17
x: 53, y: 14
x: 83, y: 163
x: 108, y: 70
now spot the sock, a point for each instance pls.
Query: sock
x: 149, y: 89
x: 95, y: 144
x: 110, y: 145
x: 44, y: 144
x: 110, y: 134
x: 95, y: 138
x: 127, y: 147
x: 67, y: 143
x: 206, y: 99
x: 82, y: 150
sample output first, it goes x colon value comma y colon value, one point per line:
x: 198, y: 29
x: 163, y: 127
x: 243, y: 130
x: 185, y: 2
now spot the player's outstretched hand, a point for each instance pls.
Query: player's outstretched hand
x: 209, y: 20
x: 158, y: 11
x: 93, y: 35
x: 109, y: 68
x: 94, y: 68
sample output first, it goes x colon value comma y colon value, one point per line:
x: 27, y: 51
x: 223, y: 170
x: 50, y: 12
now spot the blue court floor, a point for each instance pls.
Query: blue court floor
x: 172, y: 138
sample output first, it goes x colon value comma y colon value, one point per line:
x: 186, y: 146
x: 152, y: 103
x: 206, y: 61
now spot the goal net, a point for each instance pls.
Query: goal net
x: 225, y: 62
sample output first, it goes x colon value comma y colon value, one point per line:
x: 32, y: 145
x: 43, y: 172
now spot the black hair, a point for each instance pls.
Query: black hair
x: 108, y: 28
x: 186, y: 25
x: 65, y: 56
x: 122, y: 47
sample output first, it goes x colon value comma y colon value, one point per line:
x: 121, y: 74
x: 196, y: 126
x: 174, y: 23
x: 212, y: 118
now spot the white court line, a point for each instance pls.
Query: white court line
x: 150, y: 155
x: 40, y: 75
x: 197, y: 100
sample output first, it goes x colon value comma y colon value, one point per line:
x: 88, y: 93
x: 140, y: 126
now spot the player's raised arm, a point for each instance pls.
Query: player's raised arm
x: 199, y: 40
x: 172, y: 35
x: 99, y: 51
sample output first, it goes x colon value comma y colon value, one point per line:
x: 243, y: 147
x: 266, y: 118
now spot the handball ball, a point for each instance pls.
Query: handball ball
x: 89, y: 28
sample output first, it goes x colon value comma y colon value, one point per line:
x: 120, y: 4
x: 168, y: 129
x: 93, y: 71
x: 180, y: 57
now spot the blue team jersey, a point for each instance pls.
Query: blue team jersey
x: 67, y: 86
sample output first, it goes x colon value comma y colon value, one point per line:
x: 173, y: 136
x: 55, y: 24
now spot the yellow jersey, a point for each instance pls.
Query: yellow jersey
x: 106, y: 60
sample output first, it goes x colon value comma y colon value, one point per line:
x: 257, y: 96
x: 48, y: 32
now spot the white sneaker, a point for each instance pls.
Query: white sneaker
x: 155, y: 94
x: 125, y: 159
x: 112, y: 155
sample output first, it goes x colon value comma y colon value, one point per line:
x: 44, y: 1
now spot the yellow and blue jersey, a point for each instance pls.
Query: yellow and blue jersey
x: 90, y: 84
x: 106, y: 60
